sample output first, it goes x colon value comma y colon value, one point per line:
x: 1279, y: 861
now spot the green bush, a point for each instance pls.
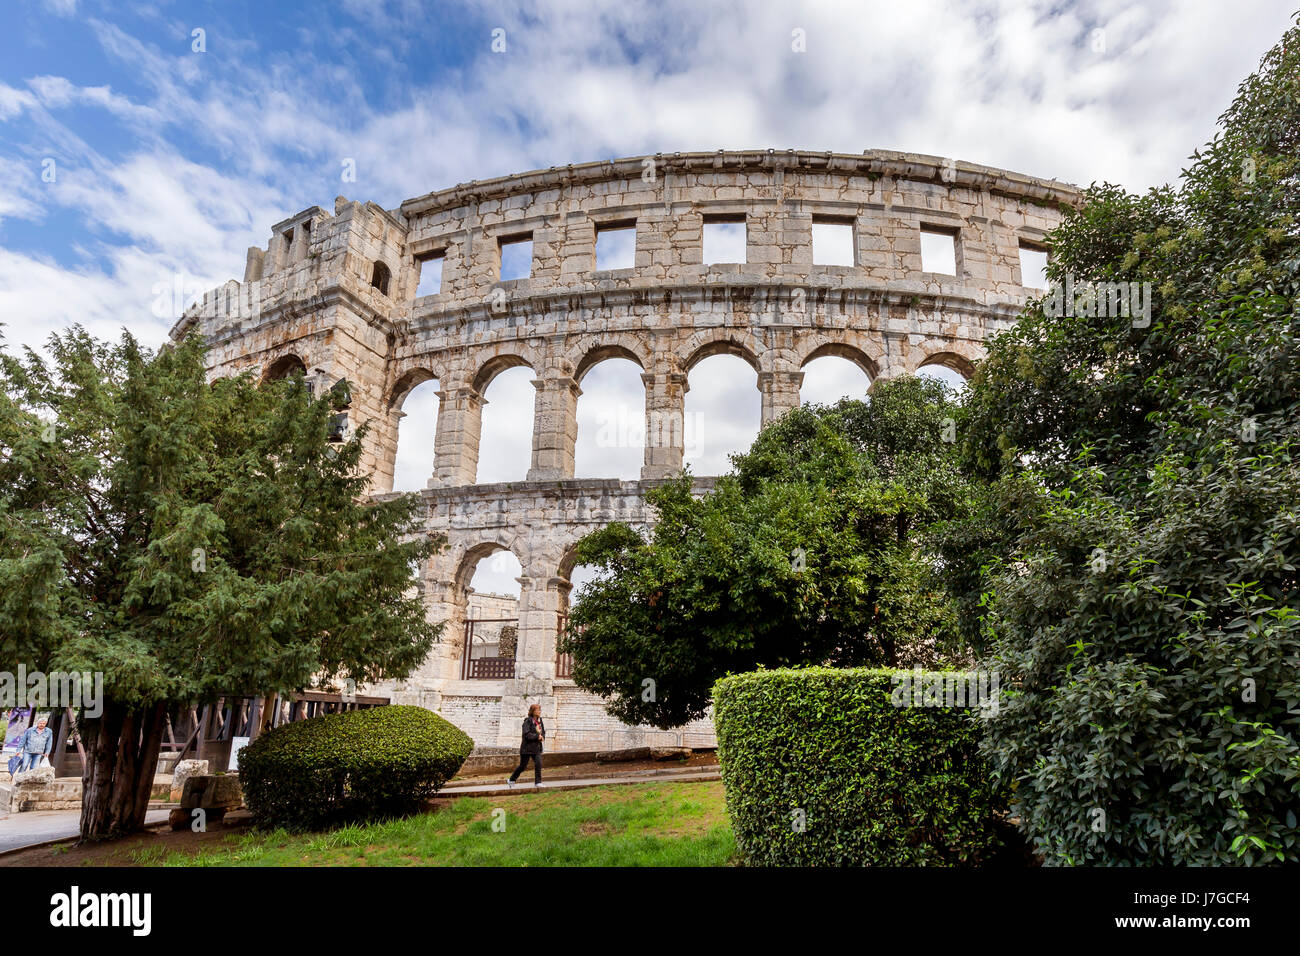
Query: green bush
x: 877, y: 784
x: 1146, y: 607
x: 348, y: 767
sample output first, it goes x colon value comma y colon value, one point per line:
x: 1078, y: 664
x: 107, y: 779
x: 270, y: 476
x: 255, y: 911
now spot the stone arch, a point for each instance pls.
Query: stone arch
x: 961, y: 357
x: 497, y: 364
x: 468, y: 559
x: 406, y: 383
x: 708, y: 456
x: 502, y: 427
x: 568, y: 560
x: 607, y: 437
x: 592, y: 353
x: 846, y: 349
x: 497, y: 624
x: 284, y: 366
x: 405, y: 438
x: 704, y: 345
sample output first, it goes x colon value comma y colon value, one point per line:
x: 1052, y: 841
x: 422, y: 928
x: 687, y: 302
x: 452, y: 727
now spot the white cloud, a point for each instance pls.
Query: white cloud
x: 56, y: 91
x: 13, y: 102
x: 220, y: 148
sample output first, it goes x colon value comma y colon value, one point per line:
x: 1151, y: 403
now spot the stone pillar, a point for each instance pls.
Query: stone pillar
x: 893, y: 360
x: 665, y: 422
x: 445, y: 601
x: 555, y: 427
x: 455, y: 444
x: 534, y: 678
x: 780, y: 391
x: 298, y: 249
x: 539, y: 607
x: 253, y: 264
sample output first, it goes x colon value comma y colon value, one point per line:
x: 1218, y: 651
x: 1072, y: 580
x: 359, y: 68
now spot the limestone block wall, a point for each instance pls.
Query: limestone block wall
x: 313, y: 299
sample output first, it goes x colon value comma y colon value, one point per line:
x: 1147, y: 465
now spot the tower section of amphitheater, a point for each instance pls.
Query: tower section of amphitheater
x: 335, y: 296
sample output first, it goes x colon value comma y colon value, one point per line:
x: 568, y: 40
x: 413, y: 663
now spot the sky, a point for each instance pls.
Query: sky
x: 144, y: 143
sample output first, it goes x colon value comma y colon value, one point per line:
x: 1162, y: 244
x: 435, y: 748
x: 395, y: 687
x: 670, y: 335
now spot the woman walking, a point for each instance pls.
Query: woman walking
x: 531, y: 746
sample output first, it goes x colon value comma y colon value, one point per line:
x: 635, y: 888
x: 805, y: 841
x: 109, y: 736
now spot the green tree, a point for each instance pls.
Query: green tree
x: 188, y: 540
x: 813, y: 550
x: 1146, y: 610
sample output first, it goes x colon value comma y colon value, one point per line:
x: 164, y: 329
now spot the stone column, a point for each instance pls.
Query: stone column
x: 555, y: 427
x: 253, y: 264
x: 893, y: 359
x: 444, y: 602
x: 665, y: 421
x: 534, y: 658
x: 455, y: 444
x: 780, y: 391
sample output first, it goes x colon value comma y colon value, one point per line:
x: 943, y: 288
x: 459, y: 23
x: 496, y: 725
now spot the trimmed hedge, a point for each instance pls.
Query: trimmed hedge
x: 878, y: 785
x: 343, y: 768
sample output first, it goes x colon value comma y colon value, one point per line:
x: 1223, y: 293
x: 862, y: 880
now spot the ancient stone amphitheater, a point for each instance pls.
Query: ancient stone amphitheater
x: 334, y: 296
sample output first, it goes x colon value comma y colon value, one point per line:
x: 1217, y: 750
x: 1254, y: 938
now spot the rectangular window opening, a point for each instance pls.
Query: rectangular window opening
x: 832, y: 241
x: 516, y: 256
x: 430, y: 274
x: 724, y: 239
x: 615, y: 245
x: 1033, y: 266
x: 938, y: 250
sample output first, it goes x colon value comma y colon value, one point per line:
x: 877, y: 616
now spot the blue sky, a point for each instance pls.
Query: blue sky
x: 169, y: 162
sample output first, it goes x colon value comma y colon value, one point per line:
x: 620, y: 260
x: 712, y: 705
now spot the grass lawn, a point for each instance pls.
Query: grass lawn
x: 652, y: 824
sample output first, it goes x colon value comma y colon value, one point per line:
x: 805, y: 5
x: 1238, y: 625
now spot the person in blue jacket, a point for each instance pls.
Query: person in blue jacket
x: 34, y: 744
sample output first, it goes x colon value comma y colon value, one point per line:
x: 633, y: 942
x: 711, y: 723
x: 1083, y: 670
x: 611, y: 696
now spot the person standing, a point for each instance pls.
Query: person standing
x: 34, y: 744
x: 531, y: 746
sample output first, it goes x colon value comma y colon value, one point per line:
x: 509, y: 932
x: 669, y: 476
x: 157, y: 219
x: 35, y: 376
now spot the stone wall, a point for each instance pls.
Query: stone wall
x: 314, y: 297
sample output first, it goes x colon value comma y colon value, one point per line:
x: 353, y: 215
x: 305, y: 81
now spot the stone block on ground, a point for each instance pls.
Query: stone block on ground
x: 39, y: 789
x: 669, y: 753
x: 37, y: 777
x: 619, y: 756
x: 184, y: 770
x: 212, y: 792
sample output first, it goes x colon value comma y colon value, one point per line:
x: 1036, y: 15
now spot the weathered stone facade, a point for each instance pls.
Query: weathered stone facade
x: 336, y: 296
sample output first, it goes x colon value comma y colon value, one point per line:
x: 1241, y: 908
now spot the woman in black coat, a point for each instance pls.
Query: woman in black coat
x: 531, y: 746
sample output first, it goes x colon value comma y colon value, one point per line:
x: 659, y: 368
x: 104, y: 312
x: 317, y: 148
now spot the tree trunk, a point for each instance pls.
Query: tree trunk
x: 121, y: 757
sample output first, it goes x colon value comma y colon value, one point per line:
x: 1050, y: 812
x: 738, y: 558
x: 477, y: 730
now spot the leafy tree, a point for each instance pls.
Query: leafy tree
x: 1147, y: 610
x: 187, y: 541
x: 813, y: 550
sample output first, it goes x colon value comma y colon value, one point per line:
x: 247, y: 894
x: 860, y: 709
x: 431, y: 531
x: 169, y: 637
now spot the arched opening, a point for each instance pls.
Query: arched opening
x: 723, y: 412
x: 506, y: 427
x: 829, y: 378
x: 491, y: 613
x: 379, y: 277
x: 577, y: 575
x: 947, y: 367
x: 611, y: 421
x: 284, y: 367
x: 416, y: 408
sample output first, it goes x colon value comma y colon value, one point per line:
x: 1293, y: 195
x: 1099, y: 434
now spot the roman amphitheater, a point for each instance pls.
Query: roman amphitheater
x: 335, y: 297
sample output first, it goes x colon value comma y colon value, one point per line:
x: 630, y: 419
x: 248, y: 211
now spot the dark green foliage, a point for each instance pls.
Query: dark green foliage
x: 878, y: 785
x: 350, y: 767
x: 189, y: 540
x: 1147, y: 604
x: 814, y: 550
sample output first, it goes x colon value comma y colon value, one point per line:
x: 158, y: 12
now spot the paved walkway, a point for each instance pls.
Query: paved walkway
x: 525, y: 784
x: 40, y: 826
